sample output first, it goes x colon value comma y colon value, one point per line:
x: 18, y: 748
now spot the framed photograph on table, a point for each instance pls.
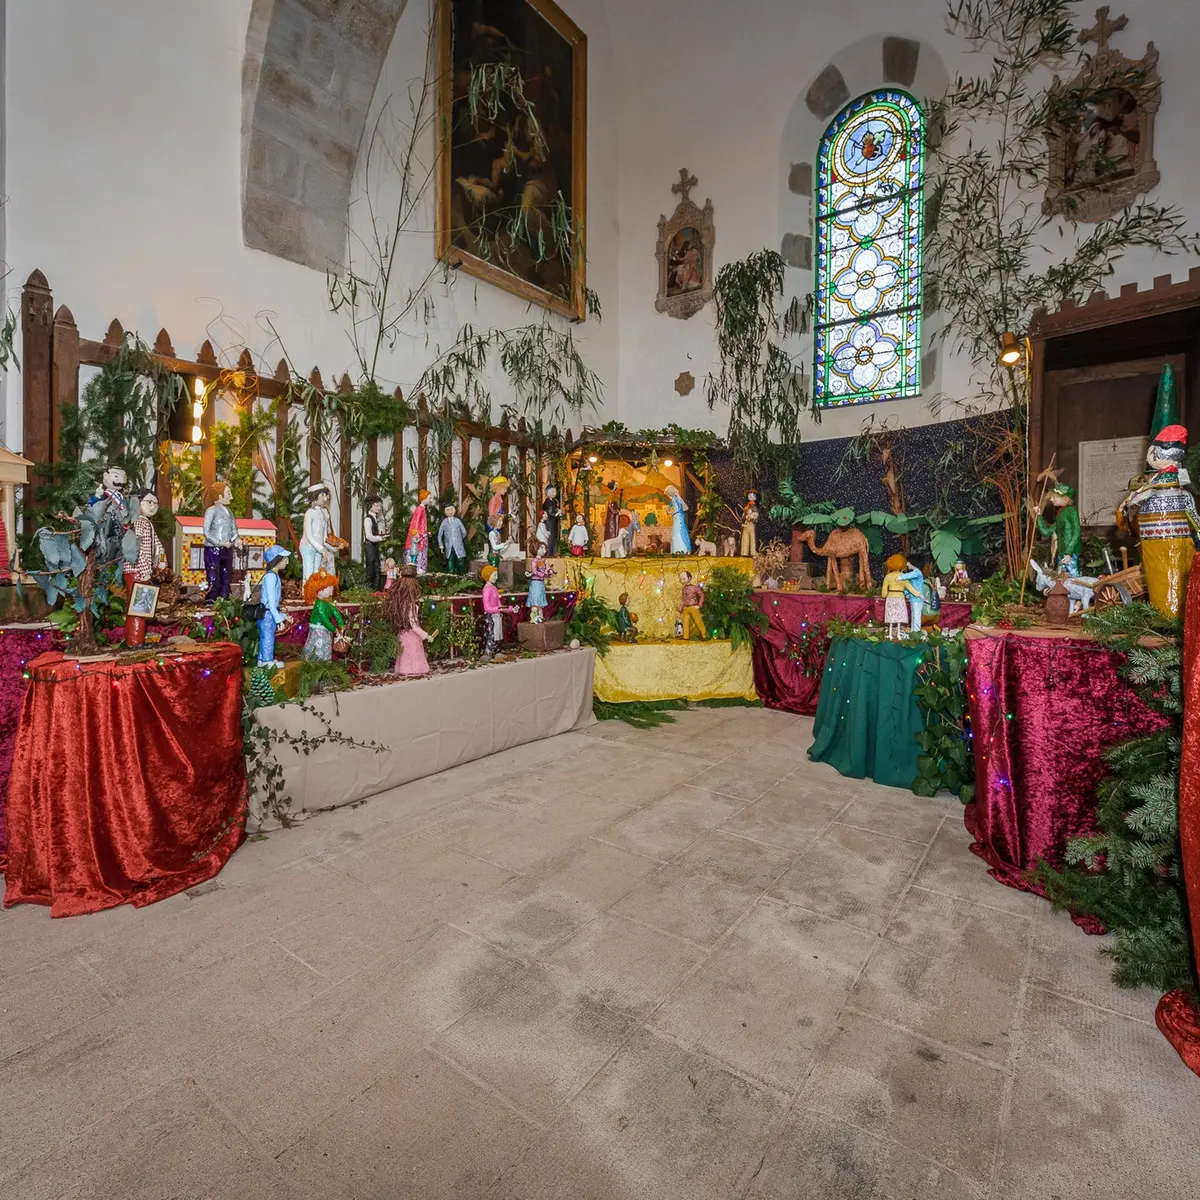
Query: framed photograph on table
x: 143, y: 601
x: 512, y: 162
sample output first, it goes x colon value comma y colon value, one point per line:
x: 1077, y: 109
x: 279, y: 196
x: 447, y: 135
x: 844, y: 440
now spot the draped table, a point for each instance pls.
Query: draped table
x: 867, y: 717
x: 19, y: 644
x: 128, y: 780
x: 789, y: 658
x: 1044, y: 708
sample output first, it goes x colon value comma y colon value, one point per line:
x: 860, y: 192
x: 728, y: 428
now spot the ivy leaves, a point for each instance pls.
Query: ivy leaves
x: 946, y: 760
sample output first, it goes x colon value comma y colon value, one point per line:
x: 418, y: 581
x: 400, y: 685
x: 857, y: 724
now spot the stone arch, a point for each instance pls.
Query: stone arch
x: 310, y: 72
x: 867, y: 65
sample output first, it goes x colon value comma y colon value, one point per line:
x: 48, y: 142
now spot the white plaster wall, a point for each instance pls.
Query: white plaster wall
x: 122, y: 169
x: 720, y: 88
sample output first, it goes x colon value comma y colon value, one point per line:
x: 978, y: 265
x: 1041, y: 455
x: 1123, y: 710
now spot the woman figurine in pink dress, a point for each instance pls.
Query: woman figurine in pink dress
x: 402, y: 607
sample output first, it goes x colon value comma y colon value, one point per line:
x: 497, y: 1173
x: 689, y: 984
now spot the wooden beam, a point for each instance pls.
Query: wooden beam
x: 37, y: 348
x: 65, y: 376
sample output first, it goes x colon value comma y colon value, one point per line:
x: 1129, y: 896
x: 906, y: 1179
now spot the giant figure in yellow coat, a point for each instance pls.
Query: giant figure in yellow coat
x: 1163, y: 514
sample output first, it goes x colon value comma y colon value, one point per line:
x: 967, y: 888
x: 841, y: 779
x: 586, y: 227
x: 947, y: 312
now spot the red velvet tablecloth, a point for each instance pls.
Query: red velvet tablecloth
x: 1043, y: 711
x: 789, y: 659
x: 128, y: 781
x: 18, y: 646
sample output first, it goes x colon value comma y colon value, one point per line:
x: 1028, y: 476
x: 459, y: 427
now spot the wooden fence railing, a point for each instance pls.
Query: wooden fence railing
x: 54, y: 352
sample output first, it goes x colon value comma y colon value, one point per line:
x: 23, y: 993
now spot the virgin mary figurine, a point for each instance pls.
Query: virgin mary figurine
x: 681, y: 540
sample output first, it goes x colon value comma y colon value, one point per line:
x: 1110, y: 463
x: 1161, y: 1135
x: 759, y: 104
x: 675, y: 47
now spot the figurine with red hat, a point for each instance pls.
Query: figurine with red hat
x: 1164, y: 515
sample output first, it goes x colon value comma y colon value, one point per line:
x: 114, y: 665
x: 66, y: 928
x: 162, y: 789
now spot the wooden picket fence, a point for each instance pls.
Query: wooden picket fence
x: 54, y: 352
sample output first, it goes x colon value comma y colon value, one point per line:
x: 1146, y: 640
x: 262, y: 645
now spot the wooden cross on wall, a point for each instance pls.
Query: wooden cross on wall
x: 685, y: 184
x: 1104, y: 29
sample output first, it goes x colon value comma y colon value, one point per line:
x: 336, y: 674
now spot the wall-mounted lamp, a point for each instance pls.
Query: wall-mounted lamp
x: 1012, y: 349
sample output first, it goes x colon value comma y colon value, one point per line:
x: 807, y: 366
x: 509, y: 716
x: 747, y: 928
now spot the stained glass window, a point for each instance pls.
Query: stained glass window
x: 869, y: 198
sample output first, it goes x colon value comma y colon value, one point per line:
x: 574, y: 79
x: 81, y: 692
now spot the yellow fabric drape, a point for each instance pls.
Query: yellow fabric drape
x: 652, y: 583
x: 1166, y: 563
x: 674, y: 670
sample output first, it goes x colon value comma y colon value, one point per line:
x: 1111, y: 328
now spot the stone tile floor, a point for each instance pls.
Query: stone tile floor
x: 675, y: 963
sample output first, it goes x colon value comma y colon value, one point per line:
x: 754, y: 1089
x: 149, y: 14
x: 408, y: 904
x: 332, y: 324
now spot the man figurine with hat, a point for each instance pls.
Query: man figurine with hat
x: 1163, y: 514
x: 1064, y: 529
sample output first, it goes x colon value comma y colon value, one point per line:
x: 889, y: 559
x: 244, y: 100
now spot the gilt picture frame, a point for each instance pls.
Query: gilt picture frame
x: 513, y: 160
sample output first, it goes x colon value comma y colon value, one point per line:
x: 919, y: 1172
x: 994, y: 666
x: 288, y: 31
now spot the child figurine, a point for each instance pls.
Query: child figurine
x: 896, y: 589
x: 493, y: 627
x: 452, y: 540
x: 750, y: 526
x: 416, y: 545
x: 690, y: 600
x: 271, y: 616
x: 402, y: 607
x: 960, y: 582
x: 325, y: 620
x: 495, y: 517
x: 540, y: 570
x: 626, y: 623
x: 578, y: 537
x: 391, y: 573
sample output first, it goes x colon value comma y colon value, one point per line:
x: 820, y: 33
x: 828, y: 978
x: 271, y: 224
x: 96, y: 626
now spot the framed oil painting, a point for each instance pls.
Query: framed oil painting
x: 512, y: 167
x: 685, y: 254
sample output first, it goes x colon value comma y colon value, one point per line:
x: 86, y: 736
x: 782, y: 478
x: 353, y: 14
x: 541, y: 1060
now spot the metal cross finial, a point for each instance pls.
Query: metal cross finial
x: 1104, y: 29
x: 685, y: 184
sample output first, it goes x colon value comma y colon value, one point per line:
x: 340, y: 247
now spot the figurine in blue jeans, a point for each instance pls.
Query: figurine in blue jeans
x: 272, y: 616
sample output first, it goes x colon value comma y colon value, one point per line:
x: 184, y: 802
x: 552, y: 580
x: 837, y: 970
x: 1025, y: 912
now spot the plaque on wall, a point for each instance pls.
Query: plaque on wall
x: 1105, y: 469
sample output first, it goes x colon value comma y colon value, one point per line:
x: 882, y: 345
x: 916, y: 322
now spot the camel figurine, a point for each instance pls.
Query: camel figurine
x: 842, y: 547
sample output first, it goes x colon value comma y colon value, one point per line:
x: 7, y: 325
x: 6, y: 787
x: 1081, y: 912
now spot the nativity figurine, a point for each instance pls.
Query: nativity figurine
x: 374, y: 531
x: 317, y: 544
x: 220, y: 540
x: 691, y: 600
x: 416, y: 544
x: 539, y: 571
x: 325, y: 621
x: 1163, y: 514
x: 452, y: 540
x: 749, y: 546
x: 579, y: 537
x: 267, y: 609
x: 402, y: 608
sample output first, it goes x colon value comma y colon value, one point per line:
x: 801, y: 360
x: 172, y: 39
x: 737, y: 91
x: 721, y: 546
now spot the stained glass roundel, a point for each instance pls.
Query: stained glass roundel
x: 869, y: 201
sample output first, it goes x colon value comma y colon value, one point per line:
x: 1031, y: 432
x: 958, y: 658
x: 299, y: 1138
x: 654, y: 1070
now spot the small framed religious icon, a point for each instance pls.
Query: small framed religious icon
x: 143, y: 600
x: 685, y: 254
x: 1101, y: 129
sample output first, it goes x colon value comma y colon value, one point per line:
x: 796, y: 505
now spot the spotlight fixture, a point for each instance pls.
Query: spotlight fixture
x: 1011, y: 350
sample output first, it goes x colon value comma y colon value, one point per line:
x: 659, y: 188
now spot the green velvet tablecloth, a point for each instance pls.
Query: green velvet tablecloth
x: 867, y: 717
